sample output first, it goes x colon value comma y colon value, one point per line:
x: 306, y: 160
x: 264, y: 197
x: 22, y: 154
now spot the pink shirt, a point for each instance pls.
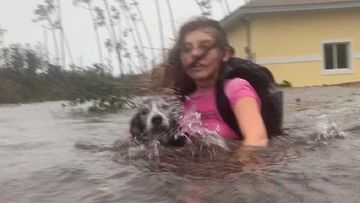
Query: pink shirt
x: 200, y: 111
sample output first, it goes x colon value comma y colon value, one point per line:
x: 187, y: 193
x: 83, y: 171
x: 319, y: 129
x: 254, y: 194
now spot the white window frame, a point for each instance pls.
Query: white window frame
x: 348, y: 70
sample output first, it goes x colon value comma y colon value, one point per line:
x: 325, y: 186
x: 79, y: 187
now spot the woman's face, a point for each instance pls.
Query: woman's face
x: 201, y: 58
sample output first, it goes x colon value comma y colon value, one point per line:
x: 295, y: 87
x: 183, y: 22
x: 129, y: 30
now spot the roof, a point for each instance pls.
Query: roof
x: 275, y: 6
x: 261, y: 3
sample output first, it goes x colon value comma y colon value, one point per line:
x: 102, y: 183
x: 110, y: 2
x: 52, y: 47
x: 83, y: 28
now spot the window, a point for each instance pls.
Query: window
x: 337, y: 56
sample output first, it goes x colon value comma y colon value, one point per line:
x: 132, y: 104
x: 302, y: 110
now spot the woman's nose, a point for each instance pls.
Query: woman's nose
x: 195, y: 53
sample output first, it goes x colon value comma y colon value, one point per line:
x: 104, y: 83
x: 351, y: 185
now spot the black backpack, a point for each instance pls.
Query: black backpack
x: 263, y: 82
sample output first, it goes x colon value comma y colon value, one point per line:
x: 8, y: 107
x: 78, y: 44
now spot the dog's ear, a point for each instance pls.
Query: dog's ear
x: 137, y: 127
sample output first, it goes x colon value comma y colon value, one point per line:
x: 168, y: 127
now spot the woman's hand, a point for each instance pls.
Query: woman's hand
x: 250, y: 122
x: 252, y: 127
x: 248, y: 156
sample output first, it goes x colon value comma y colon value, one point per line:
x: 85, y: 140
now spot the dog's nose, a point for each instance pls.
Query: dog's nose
x: 156, y: 120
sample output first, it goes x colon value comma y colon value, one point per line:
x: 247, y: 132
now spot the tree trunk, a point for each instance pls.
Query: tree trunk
x: 171, y: 18
x: 96, y: 31
x: 147, y: 33
x: 122, y: 8
x: 68, y: 49
x: 160, y: 29
x: 121, y: 44
x: 62, y: 37
x: 227, y: 6
x: 2, y: 33
x: 46, y: 46
x: 56, y: 47
x: 140, y: 51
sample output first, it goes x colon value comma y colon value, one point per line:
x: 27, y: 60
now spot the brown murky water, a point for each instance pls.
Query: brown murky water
x: 41, y: 163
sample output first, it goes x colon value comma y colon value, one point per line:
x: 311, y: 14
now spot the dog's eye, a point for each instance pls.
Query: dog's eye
x: 165, y: 106
x: 144, y: 111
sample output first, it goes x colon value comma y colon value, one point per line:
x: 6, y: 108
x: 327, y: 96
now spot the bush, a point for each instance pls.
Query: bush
x: 26, y: 77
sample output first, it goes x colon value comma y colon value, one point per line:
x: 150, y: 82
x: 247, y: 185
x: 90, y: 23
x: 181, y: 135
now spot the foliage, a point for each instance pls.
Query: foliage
x: 25, y: 76
x: 104, y: 91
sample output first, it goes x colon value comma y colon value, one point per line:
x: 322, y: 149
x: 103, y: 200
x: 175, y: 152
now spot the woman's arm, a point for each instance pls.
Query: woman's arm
x: 252, y: 127
x: 250, y: 122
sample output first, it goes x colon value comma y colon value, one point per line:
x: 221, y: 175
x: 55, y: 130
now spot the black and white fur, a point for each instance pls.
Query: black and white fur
x: 156, y: 121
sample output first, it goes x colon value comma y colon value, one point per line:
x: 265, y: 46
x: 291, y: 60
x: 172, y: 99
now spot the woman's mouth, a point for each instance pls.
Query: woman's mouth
x: 198, y: 65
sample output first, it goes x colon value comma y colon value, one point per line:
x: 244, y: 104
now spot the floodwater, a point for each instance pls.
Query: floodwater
x: 54, y: 154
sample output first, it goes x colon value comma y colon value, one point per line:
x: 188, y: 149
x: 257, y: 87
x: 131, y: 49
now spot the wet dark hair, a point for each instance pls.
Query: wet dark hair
x: 175, y: 77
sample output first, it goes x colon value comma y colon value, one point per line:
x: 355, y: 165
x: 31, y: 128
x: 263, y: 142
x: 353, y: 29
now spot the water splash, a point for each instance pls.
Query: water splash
x: 201, y: 141
x: 325, y: 130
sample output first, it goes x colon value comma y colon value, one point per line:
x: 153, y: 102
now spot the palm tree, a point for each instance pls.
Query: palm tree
x: 161, y: 31
x: 130, y: 63
x: 110, y: 48
x: 227, y: 6
x: 62, y: 35
x: 68, y: 49
x: 172, y: 20
x: 135, y: 17
x: 139, y: 12
x: 45, y: 13
x: 112, y: 34
x: 129, y: 30
x: 45, y: 43
x: 95, y: 24
x: 2, y: 33
x: 140, y: 50
x: 116, y: 16
x: 205, y: 7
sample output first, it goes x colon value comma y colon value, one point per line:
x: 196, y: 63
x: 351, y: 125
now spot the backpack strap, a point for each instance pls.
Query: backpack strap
x: 224, y: 106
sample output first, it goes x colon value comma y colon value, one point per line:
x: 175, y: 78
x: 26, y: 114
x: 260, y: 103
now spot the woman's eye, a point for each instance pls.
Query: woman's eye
x: 205, y: 47
x: 185, y: 49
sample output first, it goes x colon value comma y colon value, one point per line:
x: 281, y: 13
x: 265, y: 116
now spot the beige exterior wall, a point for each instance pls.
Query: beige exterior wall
x: 237, y: 39
x: 291, y: 45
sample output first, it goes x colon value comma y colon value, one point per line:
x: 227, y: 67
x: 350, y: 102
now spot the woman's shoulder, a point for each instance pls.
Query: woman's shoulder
x: 236, y: 82
x: 236, y: 85
x: 238, y: 88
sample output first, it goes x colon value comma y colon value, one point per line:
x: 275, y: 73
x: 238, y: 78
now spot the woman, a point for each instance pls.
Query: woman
x: 194, y: 66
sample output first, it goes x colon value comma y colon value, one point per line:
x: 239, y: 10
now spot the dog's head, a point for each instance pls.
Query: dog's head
x: 154, y: 118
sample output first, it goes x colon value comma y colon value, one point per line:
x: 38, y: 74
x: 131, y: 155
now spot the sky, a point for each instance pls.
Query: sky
x: 16, y: 16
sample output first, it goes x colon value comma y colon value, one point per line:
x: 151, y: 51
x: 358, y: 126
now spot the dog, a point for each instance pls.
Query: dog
x: 156, y: 121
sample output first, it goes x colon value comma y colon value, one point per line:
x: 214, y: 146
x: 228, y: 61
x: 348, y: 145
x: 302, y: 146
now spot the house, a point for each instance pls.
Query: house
x: 303, y: 42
